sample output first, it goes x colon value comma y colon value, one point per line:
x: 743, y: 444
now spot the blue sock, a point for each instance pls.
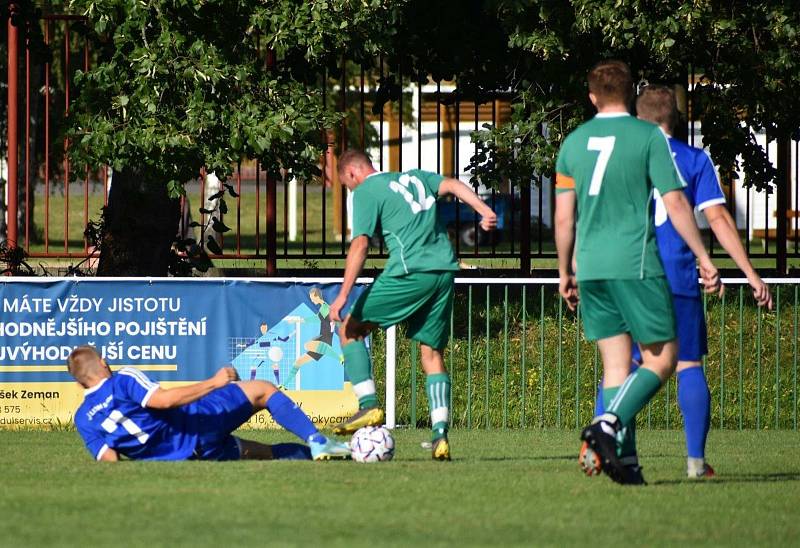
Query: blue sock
x: 291, y: 451
x: 694, y: 400
x: 599, y: 404
x: 291, y: 417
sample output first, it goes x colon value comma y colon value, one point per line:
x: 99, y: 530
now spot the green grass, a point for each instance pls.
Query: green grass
x: 503, y: 488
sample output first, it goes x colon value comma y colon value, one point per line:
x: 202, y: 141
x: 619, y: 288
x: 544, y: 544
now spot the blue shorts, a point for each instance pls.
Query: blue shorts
x: 213, y: 417
x: 690, y: 325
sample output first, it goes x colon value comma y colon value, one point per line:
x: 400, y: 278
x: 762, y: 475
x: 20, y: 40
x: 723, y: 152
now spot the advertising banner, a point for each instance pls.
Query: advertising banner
x: 176, y: 332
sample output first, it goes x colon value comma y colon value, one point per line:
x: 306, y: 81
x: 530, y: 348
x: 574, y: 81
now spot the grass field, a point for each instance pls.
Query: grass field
x: 503, y: 488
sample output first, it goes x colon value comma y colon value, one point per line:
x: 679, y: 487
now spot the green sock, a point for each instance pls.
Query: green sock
x: 292, y: 374
x: 626, y: 438
x: 357, y: 366
x: 437, y: 386
x: 633, y: 395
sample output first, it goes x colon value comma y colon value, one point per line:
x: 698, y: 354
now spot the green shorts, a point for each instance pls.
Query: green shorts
x: 421, y: 299
x: 642, y: 308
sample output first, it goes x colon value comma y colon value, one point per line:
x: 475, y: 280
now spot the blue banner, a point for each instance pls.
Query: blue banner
x: 173, y: 330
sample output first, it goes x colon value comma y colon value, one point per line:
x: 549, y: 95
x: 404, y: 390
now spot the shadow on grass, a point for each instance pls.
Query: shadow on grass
x: 735, y: 478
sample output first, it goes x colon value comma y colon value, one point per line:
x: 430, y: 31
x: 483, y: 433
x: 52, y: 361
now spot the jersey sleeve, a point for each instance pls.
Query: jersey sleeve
x: 94, y: 442
x: 565, y: 182
x: 135, y: 385
x: 365, y: 214
x: 661, y: 166
x: 708, y: 191
x: 430, y: 180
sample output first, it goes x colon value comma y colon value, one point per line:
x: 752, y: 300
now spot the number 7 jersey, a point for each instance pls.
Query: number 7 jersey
x: 403, y: 207
x: 613, y: 162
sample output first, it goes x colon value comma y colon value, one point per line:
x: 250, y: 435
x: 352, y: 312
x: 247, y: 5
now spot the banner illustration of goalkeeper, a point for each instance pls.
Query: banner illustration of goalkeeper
x: 300, y: 352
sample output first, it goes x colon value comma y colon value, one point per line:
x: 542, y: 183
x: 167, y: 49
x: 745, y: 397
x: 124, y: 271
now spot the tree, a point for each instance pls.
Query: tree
x: 203, y: 84
x: 744, y: 53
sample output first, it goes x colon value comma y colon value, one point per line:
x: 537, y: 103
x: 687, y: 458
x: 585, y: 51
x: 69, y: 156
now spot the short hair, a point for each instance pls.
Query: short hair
x: 315, y: 292
x: 84, y: 362
x: 352, y: 156
x: 611, y: 81
x: 657, y: 104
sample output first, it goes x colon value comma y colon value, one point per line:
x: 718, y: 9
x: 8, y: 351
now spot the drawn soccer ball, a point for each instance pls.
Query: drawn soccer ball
x: 372, y: 444
x: 275, y: 354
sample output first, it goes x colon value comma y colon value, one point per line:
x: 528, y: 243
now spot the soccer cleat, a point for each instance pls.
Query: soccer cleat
x: 371, y: 416
x: 702, y: 472
x: 600, y: 437
x: 441, y: 449
x: 589, y: 461
x: 329, y: 450
x: 632, y: 475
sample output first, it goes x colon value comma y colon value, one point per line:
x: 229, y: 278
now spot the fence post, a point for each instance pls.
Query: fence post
x: 784, y: 183
x: 272, y: 217
x: 525, y: 229
x: 13, y: 76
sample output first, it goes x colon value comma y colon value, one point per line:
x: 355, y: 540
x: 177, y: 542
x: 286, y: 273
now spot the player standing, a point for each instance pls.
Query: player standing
x: 416, y: 285
x: 607, y: 170
x: 703, y: 191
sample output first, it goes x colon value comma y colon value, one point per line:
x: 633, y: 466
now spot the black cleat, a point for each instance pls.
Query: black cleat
x: 632, y: 475
x: 601, y: 438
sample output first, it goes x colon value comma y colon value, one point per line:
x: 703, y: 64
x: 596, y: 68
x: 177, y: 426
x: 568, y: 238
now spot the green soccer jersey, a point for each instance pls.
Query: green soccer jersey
x: 614, y: 162
x: 403, y: 207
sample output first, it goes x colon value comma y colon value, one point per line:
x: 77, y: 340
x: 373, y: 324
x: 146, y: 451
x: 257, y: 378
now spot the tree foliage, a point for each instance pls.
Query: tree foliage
x: 187, y: 84
x: 743, y: 53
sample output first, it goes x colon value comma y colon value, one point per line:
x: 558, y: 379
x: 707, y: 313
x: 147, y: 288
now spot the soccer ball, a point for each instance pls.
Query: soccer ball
x: 372, y: 444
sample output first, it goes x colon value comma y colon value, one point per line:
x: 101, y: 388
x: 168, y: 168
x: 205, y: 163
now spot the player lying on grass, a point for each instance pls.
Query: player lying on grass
x: 125, y: 413
x: 607, y: 171
x: 415, y: 287
x: 703, y: 191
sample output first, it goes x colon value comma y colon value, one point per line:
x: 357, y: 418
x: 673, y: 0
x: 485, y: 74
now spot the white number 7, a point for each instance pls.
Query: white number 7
x: 604, y: 145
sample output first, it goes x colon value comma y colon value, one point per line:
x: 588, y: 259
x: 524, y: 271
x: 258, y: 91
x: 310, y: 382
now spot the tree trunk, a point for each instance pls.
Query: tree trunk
x: 140, y: 224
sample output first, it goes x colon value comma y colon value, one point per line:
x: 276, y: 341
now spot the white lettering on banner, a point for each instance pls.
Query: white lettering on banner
x: 152, y: 352
x: 161, y: 327
x: 145, y: 304
x: 25, y: 304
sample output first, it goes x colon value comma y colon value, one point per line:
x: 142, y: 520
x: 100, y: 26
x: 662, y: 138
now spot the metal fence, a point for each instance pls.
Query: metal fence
x: 301, y: 224
x: 518, y: 359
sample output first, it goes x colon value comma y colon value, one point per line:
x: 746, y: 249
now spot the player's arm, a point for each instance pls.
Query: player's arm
x: 565, y: 244
x: 682, y: 217
x: 167, y: 398
x: 461, y: 191
x: 724, y: 228
x: 356, y: 256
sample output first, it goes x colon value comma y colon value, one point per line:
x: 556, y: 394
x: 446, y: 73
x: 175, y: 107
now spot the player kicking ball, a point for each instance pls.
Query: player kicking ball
x: 125, y: 413
x: 657, y: 104
x: 415, y: 287
x: 606, y: 174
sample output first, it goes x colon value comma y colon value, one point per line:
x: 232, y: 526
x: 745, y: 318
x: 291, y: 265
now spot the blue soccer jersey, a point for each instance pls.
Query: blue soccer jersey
x: 114, y: 415
x: 702, y: 190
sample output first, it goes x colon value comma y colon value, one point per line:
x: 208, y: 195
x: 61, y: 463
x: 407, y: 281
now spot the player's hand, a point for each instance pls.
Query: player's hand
x: 489, y: 221
x: 568, y: 288
x: 712, y: 283
x: 761, y: 291
x: 224, y: 376
x: 335, y: 310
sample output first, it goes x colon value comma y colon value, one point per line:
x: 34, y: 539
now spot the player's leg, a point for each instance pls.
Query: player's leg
x: 430, y: 325
x: 358, y: 367
x: 694, y: 397
x: 264, y: 395
x: 253, y: 450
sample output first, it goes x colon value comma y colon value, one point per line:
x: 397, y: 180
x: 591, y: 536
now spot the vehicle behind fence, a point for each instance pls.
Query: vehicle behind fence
x: 291, y: 224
